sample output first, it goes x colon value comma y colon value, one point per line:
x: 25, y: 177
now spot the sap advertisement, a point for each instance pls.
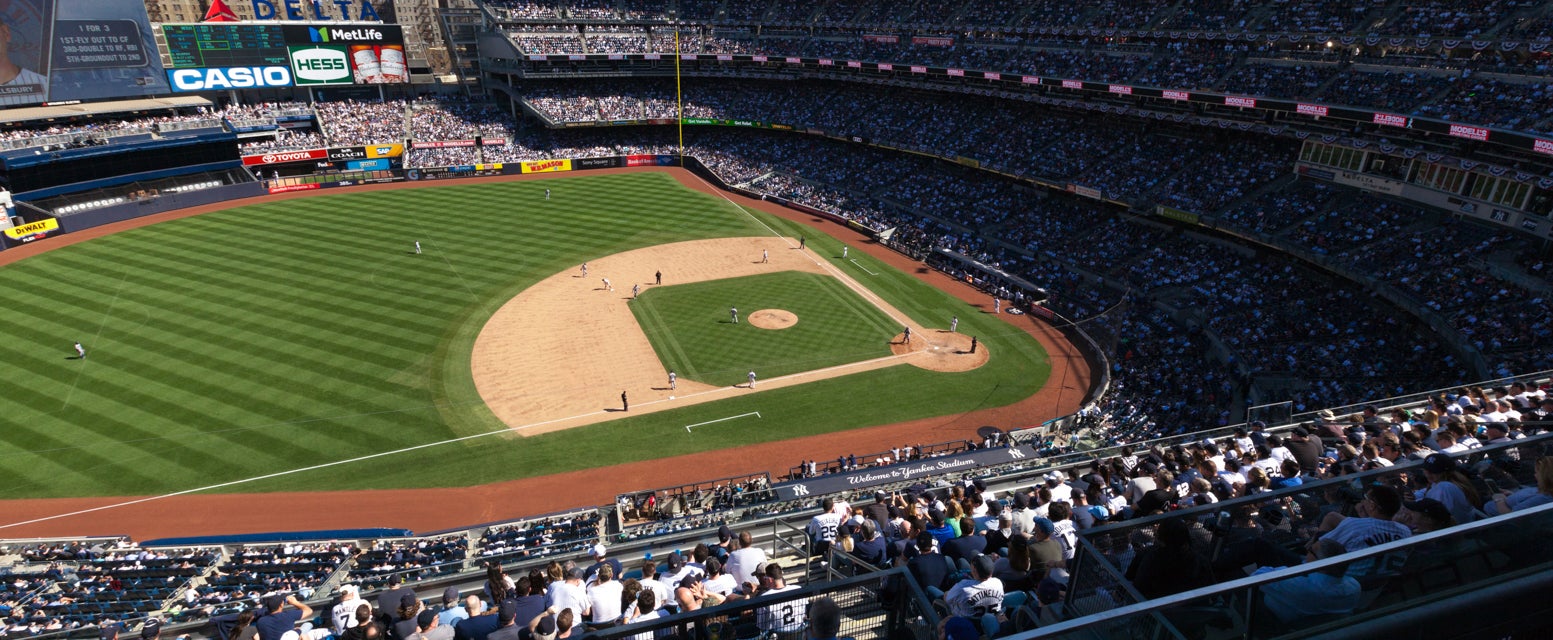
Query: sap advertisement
x: 67, y: 50
x: 220, y: 56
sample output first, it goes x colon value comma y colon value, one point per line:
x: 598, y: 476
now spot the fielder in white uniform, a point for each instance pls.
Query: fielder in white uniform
x: 673, y: 381
x: 752, y: 379
x: 80, y: 352
x: 764, y: 257
x: 636, y: 290
x: 607, y: 285
x: 954, y: 324
x: 417, y: 247
x: 584, y: 269
x: 734, y: 312
x: 843, y: 252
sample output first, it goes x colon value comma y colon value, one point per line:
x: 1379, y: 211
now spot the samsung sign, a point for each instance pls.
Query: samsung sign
x: 219, y: 78
x: 321, y: 65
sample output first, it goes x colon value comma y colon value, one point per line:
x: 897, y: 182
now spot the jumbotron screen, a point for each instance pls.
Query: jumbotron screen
x: 220, y: 56
x: 55, y: 51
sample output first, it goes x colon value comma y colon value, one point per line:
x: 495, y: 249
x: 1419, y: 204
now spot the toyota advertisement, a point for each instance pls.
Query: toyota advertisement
x: 207, y: 57
x: 57, y: 51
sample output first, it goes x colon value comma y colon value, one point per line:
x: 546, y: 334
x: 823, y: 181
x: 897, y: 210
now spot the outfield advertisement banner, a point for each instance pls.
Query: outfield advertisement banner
x: 440, y: 144
x: 295, y: 187
x: 927, y: 471
x: 547, y: 166
x: 595, y: 163
x: 650, y: 161
x: 23, y: 234
x: 375, y: 151
x: 282, y: 157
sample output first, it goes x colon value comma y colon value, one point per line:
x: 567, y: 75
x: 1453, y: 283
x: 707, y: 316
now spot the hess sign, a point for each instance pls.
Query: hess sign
x: 320, y: 65
x: 217, y: 78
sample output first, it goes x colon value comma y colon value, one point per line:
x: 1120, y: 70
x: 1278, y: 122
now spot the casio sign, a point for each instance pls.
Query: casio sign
x: 320, y: 64
x: 229, y: 78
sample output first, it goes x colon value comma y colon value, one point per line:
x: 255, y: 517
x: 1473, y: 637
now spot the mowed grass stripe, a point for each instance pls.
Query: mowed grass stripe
x: 662, y: 337
x: 278, y: 336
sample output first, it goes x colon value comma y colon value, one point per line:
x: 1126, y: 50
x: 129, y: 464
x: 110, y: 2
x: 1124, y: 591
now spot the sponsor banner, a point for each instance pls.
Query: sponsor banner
x: 295, y: 187
x: 927, y: 471
x: 461, y: 171
x: 576, y: 57
x: 641, y: 161
x: 547, y: 166
x: 1176, y: 214
x: 885, y: 66
x: 384, y: 150
x: 758, y: 58
x: 489, y: 167
x: 341, y: 154
x: 1087, y: 192
x: 957, y: 72
x: 918, y: 69
x: 1369, y: 183
x: 649, y: 56
x: 933, y: 41
x: 1120, y: 89
x: 1317, y: 173
x: 223, y: 78
x: 725, y: 57
x: 854, y: 64
x: 1030, y: 79
x: 1311, y: 109
x: 1240, y: 101
x: 826, y: 62
x: 595, y: 163
x: 1175, y: 95
x: 281, y: 157
x: 992, y: 75
x: 1468, y: 131
x: 534, y: 57
x: 320, y: 65
x: 368, y: 165
x: 882, y: 39
x: 1038, y: 310
x: 442, y: 144
x: 617, y: 56
x: 792, y: 60
x: 1391, y: 120
x: 687, y: 56
x: 33, y: 230
x: 1072, y: 84
x: 1542, y: 146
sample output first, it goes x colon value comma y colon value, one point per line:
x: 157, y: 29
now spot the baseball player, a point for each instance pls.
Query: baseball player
x: 954, y: 324
x: 752, y: 379
x: 973, y: 344
x: 417, y: 247
x: 801, y: 242
x: 607, y: 285
x: 80, y: 351
x: 658, y: 277
x: 636, y: 290
x: 584, y: 269
x: 734, y: 312
x: 547, y: 194
x: 997, y: 305
x: 906, y: 336
x: 764, y: 256
x: 673, y: 381
x: 625, y: 405
x: 844, y: 252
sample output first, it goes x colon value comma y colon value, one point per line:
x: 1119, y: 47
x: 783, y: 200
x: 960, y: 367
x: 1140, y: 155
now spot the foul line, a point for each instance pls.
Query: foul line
x: 860, y: 266
x: 752, y: 413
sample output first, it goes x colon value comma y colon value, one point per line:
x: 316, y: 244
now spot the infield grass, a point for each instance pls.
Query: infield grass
x: 295, y: 334
x: 691, y: 330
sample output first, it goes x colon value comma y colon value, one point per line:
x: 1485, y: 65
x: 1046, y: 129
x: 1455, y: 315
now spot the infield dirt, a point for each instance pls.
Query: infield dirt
x: 427, y: 510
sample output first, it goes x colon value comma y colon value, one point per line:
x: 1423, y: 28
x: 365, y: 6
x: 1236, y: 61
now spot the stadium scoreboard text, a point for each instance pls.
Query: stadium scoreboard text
x: 206, y: 57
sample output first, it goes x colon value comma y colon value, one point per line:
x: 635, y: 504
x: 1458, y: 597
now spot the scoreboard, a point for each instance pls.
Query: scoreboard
x: 224, y: 45
x: 192, y: 46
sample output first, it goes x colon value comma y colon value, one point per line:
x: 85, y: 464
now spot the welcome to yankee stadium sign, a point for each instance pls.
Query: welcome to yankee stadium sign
x: 923, y: 470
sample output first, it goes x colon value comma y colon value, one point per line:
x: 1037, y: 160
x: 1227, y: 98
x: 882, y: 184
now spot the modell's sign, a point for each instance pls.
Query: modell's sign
x: 1469, y: 132
x: 1072, y: 84
x: 1311, y: 109
x: 1120, y: 89
x: 1390, y: 120
x: 1237, y: 101
x: 1175, y: 95
x: 1542, y: 146
x: 280, y: 157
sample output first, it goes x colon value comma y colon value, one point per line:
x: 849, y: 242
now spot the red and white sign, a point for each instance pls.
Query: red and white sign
x: 957, y: 72
x: 918, y: 69
x: 933, y: 41
x: 885, y: 66
x: 792, y: 60
x: 1120, y: 88
x: 687, y: 56
x: 1468, y: 131
x: 724, y: 57
x: 1311, y: 109
x: 537, y: 58
x: 576, y: 56
x: 641, y: 161
x: 652, y: 56
x: 992, y: 75
x: 441, y: 144
x: 295, y: 187
x: 759, y: 58
x: 854, y: 64
x: 281, y: 157
x: 1391, y: 120
x: 1031, y: 80
x: 1175, y: 95
x: 1072, y: 84
x: 1542, y: 146
x: 826, y: 62
x: 1238, y: 101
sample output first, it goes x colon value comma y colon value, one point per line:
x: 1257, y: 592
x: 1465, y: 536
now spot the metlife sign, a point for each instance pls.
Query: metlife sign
x: 345, y: 34
x: 320, y: 65
x: 222, y: 78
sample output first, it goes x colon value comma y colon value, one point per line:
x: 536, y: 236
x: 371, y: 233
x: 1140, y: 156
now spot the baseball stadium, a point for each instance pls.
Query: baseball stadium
x: 741, y: 319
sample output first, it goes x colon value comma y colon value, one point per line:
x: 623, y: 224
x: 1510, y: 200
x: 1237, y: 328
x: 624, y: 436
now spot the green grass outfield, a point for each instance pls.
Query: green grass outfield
x: 691, y: 331
x: 287, y: 335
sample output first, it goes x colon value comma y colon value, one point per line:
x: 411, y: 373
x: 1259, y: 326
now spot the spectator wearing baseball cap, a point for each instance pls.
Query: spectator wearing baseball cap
x: 279, y: 617
x: 452, y: 609
x: 109, y: 630
x: 506, y: 622
x: 151, y: 629
x: 1373, y: 523
x: 428, y: 625
x: 343, y: 615
x: 542, y: 627
x: 1450, y: 486
x: 404, y: 617
x: 598, y: 553
x: 1424, y: 516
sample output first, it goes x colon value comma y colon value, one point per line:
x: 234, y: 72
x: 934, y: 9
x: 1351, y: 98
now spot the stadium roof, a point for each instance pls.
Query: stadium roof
x: 102, y: 108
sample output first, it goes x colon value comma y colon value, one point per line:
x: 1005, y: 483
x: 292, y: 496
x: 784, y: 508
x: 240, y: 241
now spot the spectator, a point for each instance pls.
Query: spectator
x: 1325, y: 592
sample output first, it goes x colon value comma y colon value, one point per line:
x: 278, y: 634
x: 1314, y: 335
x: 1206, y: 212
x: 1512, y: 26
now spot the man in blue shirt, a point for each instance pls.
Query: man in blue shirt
x: 279, y: 619
x: 1318, y: 593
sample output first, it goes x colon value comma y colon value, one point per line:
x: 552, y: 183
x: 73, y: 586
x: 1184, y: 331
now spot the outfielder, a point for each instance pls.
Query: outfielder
x: 417, y: 247
x: 673, y: 381
x: 547, y: 194
x: 734, y: 312
x: 752, y: 379
x: 80, y: 351
x: 844, y: 252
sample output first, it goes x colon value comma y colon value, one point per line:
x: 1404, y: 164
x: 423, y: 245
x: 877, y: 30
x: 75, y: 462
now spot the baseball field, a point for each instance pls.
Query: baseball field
x: 304, y: 345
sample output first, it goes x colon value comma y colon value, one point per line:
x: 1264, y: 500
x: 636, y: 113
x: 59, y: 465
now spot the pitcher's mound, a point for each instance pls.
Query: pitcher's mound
x: 941, y: 351
x: 773, y: 319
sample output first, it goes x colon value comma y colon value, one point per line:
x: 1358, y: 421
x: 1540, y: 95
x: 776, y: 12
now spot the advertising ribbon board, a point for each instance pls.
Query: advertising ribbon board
x: 547, y: 166
x: 32, y: 230
x: 281, y: 157
x: 926, y: 470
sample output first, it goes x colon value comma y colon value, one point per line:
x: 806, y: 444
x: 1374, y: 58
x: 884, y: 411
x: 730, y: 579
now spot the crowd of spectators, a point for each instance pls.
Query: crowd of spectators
x: 457, y: 118
x: 351, y: 122
x: 545, y: 536
x: 410, y: 559
x: 284, y: 140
